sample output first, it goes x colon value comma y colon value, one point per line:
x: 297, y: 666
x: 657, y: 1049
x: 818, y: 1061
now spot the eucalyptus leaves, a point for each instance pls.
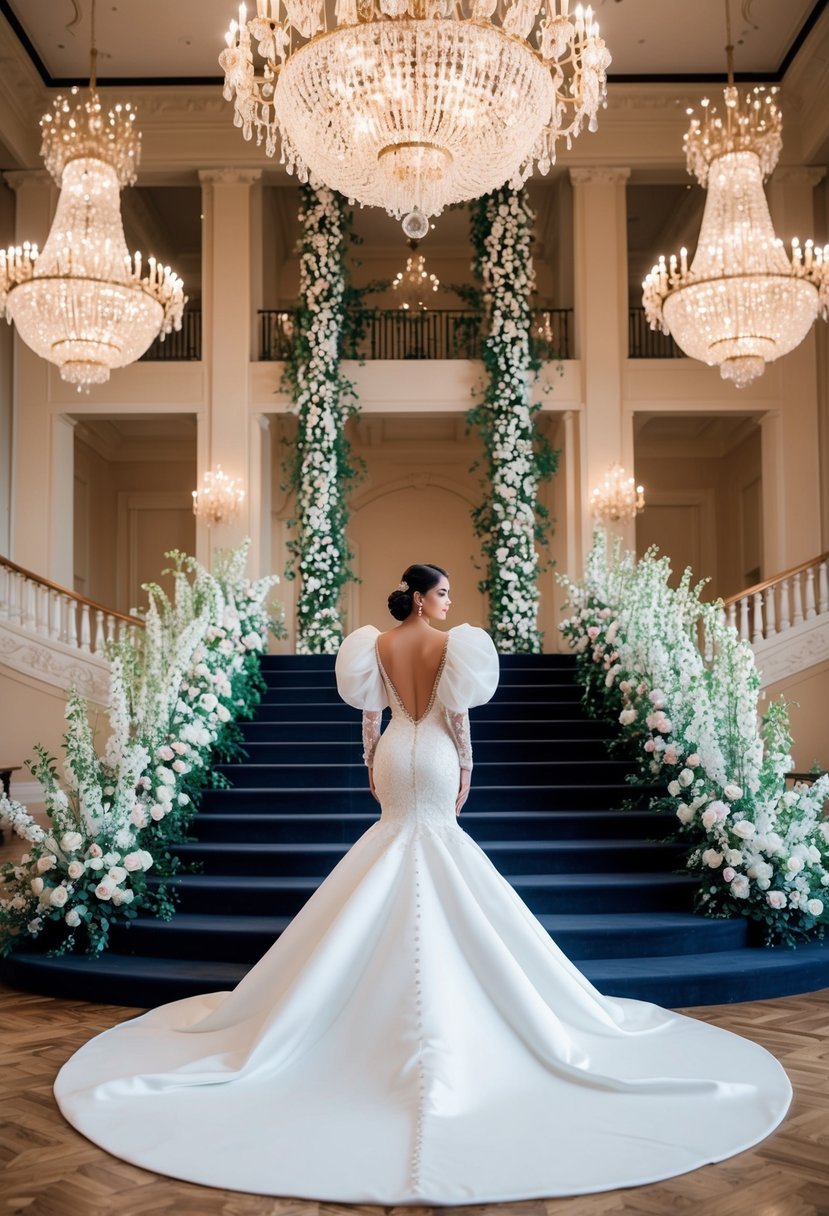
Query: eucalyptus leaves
x: 510, y: 520
x: 685, y: 691
x: 321, y: 469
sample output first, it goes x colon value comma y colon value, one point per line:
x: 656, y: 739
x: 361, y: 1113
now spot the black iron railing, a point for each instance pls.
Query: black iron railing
x: 439, y: 333
x: 182, y: 345
x: 647, y: 343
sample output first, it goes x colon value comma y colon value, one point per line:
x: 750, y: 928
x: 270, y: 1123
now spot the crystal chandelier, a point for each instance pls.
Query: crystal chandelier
x: 413, y: 283
x: 219, y: 499
x: 618, y: 497
x: 414, y: 104
x: 743, y: 302
x: 82, y: 302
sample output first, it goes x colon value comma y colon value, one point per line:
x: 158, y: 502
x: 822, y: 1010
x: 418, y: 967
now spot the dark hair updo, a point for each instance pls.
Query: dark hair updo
x: 420, y: 577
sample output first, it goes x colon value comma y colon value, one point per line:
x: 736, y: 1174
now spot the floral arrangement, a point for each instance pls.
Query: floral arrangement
x: 177, y: 688
x: 510, y: 520
x: 322, y: 467
x: 685, y: 692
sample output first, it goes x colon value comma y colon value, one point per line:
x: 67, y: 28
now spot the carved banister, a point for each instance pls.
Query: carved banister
x: 787, y: 601
x: 776, y: 578
x: 93, y: 605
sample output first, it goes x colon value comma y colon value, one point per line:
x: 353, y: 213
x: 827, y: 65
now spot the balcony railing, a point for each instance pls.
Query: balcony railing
x: 647, y: 343
x: 437, y: 334
x: 776, y: 605
x: 183, y: 345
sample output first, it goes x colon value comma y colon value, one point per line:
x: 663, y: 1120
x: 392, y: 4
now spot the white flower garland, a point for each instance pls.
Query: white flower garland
x: 691, y: 713
x: 175, y: 689
x: 323, y: 401
x: 508, y: 521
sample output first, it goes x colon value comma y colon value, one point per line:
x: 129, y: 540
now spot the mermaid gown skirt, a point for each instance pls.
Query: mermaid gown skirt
x: 415, y: 1036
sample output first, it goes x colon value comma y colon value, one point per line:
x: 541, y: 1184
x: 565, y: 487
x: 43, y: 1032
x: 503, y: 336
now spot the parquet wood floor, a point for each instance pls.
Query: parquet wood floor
x: 48, y: 1169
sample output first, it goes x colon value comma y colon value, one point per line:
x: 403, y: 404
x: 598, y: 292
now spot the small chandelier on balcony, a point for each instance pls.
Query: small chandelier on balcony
x: 414, y: 283
x: 618, y: 497
x: 743, y: 302
x: 83, y: 303
x: 414, y: 104
x: 219, y: 499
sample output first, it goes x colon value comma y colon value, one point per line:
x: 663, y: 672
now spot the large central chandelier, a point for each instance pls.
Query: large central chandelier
x: 83, y: 302
x: 743, y: 302
x: 414, y: 104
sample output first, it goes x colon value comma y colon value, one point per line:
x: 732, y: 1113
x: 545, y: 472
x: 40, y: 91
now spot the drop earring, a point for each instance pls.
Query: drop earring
x: 420, y: 608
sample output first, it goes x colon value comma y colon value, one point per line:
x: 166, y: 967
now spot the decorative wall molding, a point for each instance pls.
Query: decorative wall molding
x: 794, y: 651
x: 601, y: 175
x: 54, y: 663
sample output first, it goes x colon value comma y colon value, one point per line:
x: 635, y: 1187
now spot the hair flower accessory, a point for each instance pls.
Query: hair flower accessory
x: 403, y: 586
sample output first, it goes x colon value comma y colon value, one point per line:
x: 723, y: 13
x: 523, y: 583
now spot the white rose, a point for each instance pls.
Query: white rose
x: 776, y: 899
x: 627, y: 716
x: 70, y: 842
x: 814, y: 907
x: 105, y: 888
x: 712, y: 858
x: 58, y: 897
x: 794, y: 865
x: 95, y: 863
x: 743, y: 828
x: 685, y: 813
x: 75, y: 869
x: 739, y: 887
x: 46, y: 863
x: 36, y: 886
x: 709, y: 818
x: 733, y: 792
x: 674, y: 789
x: 72, y: 918
x: 117, y: 874
x: 686, y: 777
x: 146, y: 858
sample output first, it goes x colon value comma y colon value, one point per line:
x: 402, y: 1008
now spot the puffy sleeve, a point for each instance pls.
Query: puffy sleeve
x: 359, y: 682
x: 470, y: 673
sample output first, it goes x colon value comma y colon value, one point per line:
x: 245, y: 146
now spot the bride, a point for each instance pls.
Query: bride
x: 414, y: 1036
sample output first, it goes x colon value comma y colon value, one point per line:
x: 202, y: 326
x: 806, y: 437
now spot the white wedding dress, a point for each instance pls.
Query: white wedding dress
x: 414, y: 1036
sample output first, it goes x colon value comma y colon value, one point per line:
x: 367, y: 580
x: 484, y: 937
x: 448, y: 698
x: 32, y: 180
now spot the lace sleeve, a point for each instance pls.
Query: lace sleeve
x: 371, y: 733
x: 459, y: 726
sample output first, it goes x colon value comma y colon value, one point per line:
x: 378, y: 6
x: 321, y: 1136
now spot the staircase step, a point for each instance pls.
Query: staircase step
x: 289, y: 775
x: 287, y: 678
x: 266, y: 895
x: 348, y: 728
x: 499, y: 751
x: 246, y: 938
x: 325, y: 694
x: 502, y: 798
x: 315, y: 706
x: 274, y: 827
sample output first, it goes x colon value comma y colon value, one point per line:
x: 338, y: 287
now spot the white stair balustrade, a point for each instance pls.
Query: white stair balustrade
x: 54, y: 634
x: 786, y: 618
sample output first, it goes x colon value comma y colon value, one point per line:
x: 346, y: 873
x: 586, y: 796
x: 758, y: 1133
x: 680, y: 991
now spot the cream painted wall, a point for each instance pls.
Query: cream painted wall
x: 705, y: 512
x: 808, y: 692
x: 6, y: 385
x: 127, y: 515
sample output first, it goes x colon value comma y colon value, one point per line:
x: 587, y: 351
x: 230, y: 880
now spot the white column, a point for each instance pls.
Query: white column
x: 62, y: 500
x: 31, y: 490
x: 259, y: 475
x: 797, y: 441
x: 227, y: 337
x: 601, y: 292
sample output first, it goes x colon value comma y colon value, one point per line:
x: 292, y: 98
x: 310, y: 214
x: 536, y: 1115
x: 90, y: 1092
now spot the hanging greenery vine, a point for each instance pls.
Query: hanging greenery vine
x: 510, y: 520
x: 322, y: 468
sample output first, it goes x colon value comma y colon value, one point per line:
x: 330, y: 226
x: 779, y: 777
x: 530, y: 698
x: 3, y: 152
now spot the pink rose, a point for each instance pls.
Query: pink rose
x: 592, y: 632
x: 132, y: 862
x: 650, y: 745
x: 138, y: 817
x: 165, y: 753
x: 95, y: 850
x: 670, y: 756
x: 693, y: 760
x: 728, y: 873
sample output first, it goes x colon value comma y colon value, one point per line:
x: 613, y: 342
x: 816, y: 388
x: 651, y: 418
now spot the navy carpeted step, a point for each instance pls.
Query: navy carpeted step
x: 347, y: 728
x: 527, y: 694
x: 325, y: 775
x: 272, y: 827
x: 503, y: 751
x: 620, y: 935
x: 270, y: 895
x: 511, y: 856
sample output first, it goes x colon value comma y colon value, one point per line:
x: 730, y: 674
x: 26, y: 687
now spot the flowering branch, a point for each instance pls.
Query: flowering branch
x: 685, y: 691
x: 510, y: 520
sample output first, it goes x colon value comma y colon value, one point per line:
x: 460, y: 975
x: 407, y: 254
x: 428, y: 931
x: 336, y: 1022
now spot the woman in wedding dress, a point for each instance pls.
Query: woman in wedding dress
x: 415, y: 1036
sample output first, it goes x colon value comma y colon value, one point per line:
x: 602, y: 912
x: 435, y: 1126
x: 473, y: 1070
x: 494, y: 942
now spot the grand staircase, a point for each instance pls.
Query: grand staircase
x: 546, y: 806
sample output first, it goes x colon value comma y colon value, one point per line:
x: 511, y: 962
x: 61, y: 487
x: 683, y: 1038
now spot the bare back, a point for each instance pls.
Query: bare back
x: 412, y: 660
